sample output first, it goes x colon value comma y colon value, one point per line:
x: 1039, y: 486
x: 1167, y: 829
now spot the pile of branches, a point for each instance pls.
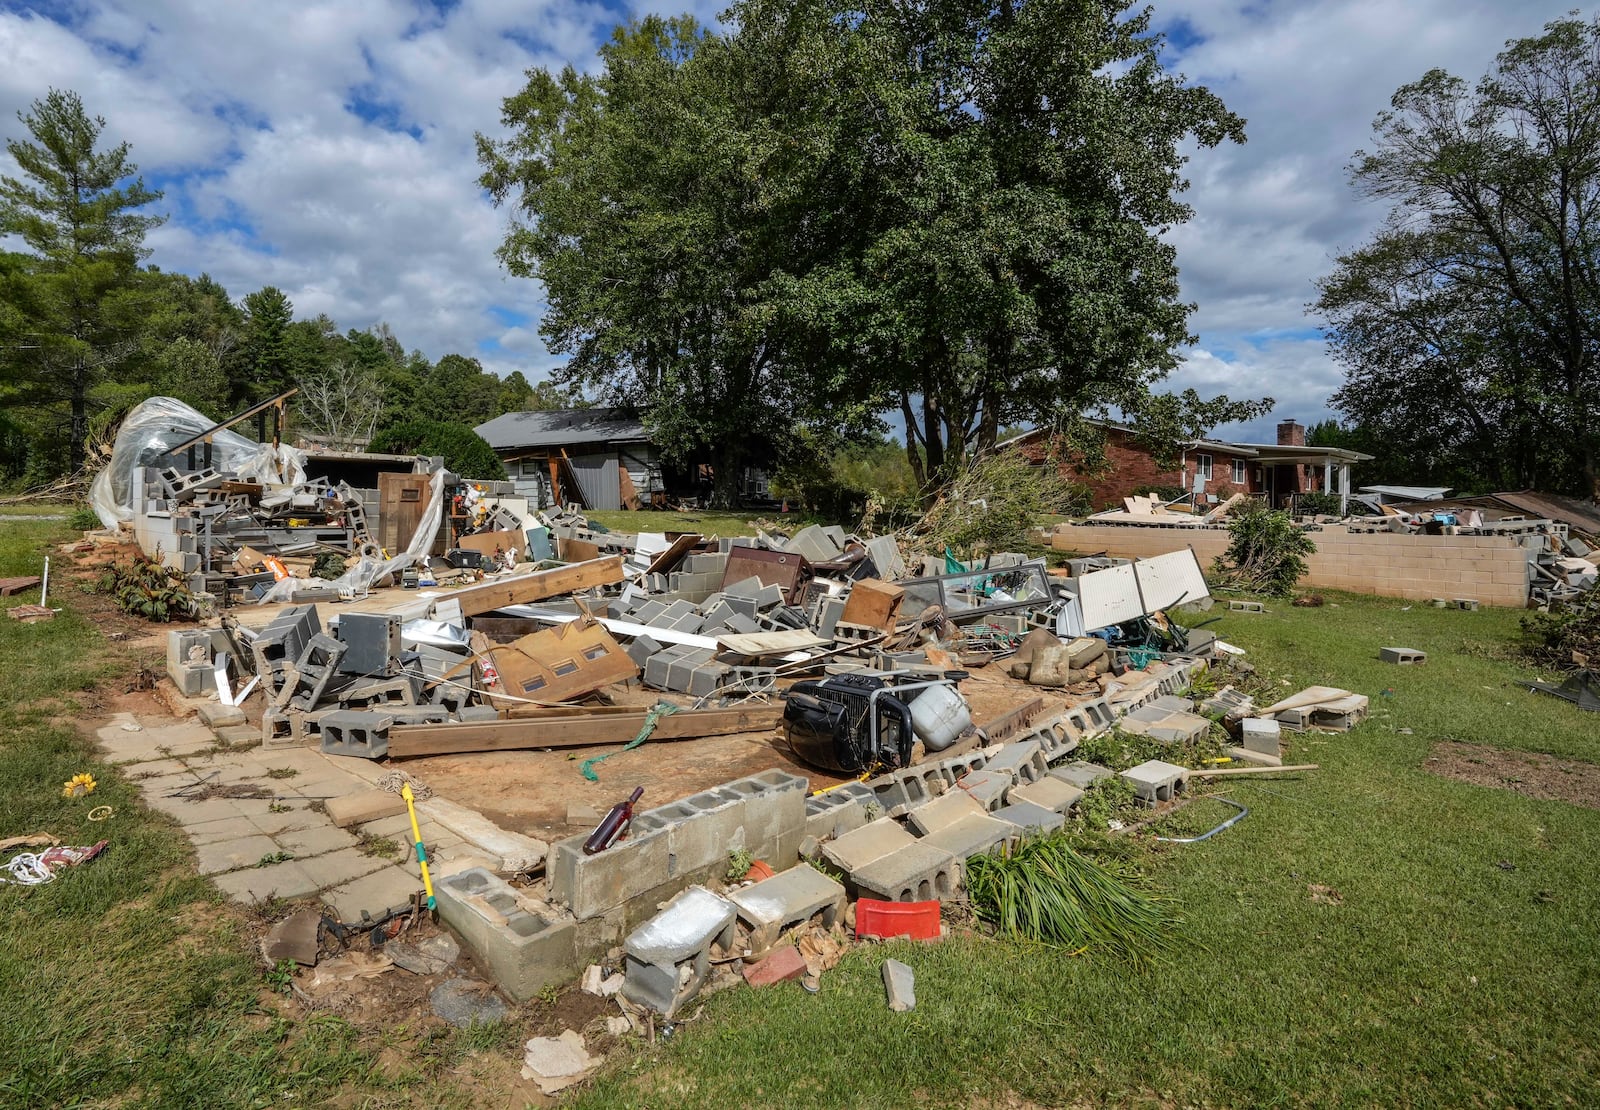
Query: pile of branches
x: 1567, y: 636
x: 1266, y: 552
x: 991, y: 505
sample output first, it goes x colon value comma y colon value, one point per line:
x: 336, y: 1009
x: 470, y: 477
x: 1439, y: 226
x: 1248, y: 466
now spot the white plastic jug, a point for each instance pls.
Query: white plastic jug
x: 939, y: 714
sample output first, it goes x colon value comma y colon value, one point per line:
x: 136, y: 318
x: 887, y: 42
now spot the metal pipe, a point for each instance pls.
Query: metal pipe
x: 44, y: 583
x: 1234, y: 820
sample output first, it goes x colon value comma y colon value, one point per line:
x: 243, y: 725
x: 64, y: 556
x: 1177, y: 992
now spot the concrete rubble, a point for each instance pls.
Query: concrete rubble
x: 856, y: 653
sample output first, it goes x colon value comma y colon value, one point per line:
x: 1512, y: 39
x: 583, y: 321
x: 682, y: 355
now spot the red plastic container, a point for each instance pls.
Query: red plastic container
x: 917, y: 920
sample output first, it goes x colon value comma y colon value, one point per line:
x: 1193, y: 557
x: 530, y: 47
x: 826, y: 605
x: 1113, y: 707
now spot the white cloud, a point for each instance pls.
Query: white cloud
x: 244, y: 111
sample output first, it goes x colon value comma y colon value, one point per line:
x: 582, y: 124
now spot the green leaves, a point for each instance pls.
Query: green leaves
x: 1044, y: 890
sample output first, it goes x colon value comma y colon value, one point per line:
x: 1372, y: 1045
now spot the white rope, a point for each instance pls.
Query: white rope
x: 25, y: 869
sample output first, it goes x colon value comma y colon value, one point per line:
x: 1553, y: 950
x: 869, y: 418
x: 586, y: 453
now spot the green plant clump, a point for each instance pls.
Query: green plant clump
x: 1110, y: 799
x: 143, y: 587
x: 1044, y: 890
x: 1266, y: 552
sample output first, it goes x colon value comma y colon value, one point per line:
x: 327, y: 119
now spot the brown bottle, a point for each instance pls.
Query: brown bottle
x: 620, y: 817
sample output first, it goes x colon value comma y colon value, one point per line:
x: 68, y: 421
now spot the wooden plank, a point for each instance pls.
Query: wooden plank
x: 1218, y: 772
x: 772, y: 643
x: 364, y: 806
x: 9, y: 586
x: 489, y: 596
x: 580, y: 731
x: 670, y: 558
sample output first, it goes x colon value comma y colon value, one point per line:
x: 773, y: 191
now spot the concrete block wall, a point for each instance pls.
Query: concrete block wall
x: 1491, y: 569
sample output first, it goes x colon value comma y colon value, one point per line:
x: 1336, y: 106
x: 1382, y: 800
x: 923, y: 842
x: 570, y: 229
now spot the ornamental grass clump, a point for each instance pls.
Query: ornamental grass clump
x: 1044, y: 890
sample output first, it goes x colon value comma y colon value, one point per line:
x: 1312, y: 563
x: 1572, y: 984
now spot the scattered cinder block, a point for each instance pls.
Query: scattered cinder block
x: 969, y: 836
x: 900, y: 983
x: 944, y: 810
x: 1156, y: 781
x: 1467, y: 603
x: 1049, y: 792
x: 1081, y: 774
x: 1029, y: 818
x: 1237, y: 606
x: 1341, y: 715
x: 987, y: 787
x: 917, y: 872
x: 787, y: 899
x: 1261, y: 734
x: 1022, y: 758
x: 855, y: 850
x: 361, y: 733
x: 1402, y: 655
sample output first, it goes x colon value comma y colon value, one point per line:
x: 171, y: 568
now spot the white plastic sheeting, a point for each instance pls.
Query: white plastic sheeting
x: 156, y: 426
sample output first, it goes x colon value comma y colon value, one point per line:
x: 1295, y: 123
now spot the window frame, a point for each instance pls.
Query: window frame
x: 1203, y: 465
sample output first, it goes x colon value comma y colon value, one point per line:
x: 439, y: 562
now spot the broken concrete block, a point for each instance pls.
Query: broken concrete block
x: 363, y: 806
x: 294, y: 938
x: 787, y: 899
x: 1402, y: 655
x: 900, y: 983
x: 667, y: 959
x: 556, y: 1063
x: 523, y: 946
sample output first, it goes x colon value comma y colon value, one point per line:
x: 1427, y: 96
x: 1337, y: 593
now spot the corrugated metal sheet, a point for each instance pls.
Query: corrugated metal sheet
x: 597, y: 478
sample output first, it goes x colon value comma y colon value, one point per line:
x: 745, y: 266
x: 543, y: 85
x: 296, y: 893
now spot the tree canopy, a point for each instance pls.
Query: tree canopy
x: 1469, y: 324
x: 948, y: 208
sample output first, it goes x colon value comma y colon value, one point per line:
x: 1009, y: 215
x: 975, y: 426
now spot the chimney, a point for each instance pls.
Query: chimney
x: 1291, y: 434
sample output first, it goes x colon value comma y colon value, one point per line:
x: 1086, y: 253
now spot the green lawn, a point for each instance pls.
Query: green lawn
x: 1458, y: 965
x: 708, y: 522
x: 1441, y: 977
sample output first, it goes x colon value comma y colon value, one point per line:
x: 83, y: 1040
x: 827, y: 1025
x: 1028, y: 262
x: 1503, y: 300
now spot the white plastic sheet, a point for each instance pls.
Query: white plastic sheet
x: 154, y: 427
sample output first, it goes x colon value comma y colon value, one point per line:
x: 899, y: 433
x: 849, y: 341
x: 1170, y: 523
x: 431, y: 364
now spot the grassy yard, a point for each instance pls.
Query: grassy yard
x: 708, y: 522
x: 126, y: 981
x: 1454, y: 961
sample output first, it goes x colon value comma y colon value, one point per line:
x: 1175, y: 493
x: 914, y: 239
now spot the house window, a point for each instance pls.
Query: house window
x: 1202, y: 464
x: 1238, y: 472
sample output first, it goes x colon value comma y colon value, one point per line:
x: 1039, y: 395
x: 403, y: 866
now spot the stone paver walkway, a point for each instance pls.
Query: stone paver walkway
x: 279, y: 843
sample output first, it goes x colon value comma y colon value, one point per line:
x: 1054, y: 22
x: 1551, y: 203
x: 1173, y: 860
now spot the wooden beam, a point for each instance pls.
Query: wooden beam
x: 1218, y: 772
x: 497, y: 594
x: 585, y: 730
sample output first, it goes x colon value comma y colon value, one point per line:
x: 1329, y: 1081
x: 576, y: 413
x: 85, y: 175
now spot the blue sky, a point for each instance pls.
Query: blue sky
x: 326, y: 148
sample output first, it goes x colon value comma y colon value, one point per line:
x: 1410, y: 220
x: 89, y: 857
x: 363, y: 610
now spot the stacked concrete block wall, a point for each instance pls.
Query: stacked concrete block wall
x: 1492, y: 569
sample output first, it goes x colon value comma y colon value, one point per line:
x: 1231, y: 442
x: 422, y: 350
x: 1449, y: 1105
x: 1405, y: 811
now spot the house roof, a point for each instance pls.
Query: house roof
x: 1244, y: 449
x: 1284, y: 452
x: 1582, y: 515
x: 558, y: 427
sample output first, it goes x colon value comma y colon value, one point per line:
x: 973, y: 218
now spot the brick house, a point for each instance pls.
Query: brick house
x: 1271, y: 471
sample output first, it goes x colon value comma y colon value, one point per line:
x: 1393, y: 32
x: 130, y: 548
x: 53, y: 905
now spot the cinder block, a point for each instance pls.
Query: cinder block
x: 1402, y: 655
x: 523, y: 945
x: 591, y: 885
x: 1156, y: 781
x: 1262, y: 735
x: 1029, y: 818
x: 1082, y: 775
x: 668, y: 958
x: 361, y: 733
x: 988, y: 786
x: 945, y: 810
x: 1023, y: 758
x: 916, y: 872
x: 1049, y: 793
x: 787, y: 899
x: 838, y: 811
x: 970, y: 836
x: 860, y: 847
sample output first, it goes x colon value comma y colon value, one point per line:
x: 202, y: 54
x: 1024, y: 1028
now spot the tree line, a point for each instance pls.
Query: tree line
x: 88, y: 329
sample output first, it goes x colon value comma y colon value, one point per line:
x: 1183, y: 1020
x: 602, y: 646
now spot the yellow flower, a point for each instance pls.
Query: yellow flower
x: 78, y: 786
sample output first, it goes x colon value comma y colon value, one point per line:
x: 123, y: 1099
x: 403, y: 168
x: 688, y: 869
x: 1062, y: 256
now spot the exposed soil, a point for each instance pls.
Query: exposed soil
x: 1532, y: 774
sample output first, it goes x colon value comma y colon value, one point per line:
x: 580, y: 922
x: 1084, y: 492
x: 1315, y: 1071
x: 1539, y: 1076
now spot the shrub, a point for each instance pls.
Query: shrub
x: 142, y: 587
x: 991, y: 505
x: 1266, y: 552
x: 1317, y: 503
x: 465, y: 452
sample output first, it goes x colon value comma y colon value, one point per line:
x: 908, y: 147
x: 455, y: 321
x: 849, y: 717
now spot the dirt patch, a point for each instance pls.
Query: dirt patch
x: 1532, y: 774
